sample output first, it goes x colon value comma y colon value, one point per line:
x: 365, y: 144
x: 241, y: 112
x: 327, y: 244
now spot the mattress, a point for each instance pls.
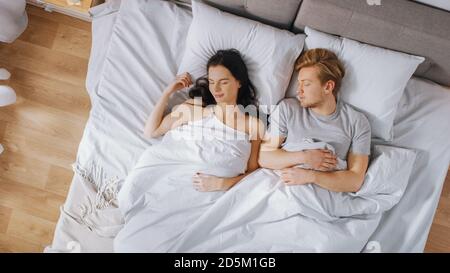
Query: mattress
x: 419, y: 125
x: 442, y: 4
x: 133, y: 59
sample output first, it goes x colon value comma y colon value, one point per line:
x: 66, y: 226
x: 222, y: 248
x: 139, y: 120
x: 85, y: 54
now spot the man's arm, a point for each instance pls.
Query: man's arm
x: 349, y: 180
x: 273, y: 157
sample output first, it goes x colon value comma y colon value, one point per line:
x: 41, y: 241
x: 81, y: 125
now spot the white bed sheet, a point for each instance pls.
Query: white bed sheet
x: 126, y: 82
x: 421, y: 124
x: 132, y: 61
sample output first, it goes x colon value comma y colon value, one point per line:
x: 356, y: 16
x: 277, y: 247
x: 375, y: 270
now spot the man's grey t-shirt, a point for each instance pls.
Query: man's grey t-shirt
x: 347, y: 130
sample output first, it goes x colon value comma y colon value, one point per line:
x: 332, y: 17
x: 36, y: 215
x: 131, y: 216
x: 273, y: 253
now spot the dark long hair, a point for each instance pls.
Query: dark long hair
x: 232, y: 60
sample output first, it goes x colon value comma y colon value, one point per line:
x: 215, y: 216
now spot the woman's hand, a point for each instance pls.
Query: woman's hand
x: 321, y: 160
x: 296, y: 176
x: 181, y: 81
x: 207, y: 183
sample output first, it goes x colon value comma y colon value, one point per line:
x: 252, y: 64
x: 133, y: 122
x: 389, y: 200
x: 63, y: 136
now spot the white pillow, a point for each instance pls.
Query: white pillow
x: 374, y: 81
x: 268, y: 52
x: 384, y: 184
x: 388, y: 171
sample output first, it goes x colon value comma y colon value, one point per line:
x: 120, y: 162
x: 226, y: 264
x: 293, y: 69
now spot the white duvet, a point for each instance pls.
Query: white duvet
x: 158, y: 200
x: 163, y: 213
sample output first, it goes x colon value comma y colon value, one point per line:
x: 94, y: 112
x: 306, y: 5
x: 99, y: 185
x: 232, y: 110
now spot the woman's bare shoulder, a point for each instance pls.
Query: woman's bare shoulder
x: 192, y: 109
x: 187, y: 104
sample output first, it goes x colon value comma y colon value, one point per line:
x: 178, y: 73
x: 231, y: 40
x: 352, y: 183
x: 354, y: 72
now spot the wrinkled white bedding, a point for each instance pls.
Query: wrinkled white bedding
x: 163, y: 213
x: 133, y: 67
x: 131, y: 62
x: 122, y: 99
x: 420, y: 124
x: 158, y: 200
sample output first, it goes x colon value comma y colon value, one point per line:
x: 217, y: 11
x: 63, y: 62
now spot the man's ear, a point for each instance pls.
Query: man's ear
x: 329, y: 87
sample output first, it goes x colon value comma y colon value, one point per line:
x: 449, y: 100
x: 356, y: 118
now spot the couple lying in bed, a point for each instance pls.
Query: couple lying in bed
x: 211, y: 142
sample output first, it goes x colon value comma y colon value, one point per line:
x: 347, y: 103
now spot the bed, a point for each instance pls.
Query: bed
x: 130, y: 65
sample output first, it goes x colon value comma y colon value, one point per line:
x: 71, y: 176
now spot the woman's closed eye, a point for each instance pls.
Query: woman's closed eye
x: 221, y: 82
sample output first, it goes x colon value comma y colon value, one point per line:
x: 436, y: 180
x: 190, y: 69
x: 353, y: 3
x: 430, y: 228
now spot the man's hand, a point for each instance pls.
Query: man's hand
x: 207, y: 183
x: 321, y: 160
x: 296, y: 176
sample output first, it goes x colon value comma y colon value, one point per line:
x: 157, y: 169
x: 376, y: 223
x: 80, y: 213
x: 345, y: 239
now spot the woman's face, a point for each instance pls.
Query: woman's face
x: 223, y: 86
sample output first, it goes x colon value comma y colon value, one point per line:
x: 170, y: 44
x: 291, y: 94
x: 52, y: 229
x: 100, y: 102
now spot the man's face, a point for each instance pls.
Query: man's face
x: 311, y: 92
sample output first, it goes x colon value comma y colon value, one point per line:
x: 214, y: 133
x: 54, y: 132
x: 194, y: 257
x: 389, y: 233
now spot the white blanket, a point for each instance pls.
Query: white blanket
x: 259, y: 214
x: 158, y: 199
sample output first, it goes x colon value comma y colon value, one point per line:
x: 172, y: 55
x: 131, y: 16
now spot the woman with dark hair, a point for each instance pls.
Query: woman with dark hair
x: 223, y: 93
x: 232, y: 61
x: 209, y: 145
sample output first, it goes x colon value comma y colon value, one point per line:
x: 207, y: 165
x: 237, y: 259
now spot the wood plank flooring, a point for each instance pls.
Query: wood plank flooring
x: 42, y: 130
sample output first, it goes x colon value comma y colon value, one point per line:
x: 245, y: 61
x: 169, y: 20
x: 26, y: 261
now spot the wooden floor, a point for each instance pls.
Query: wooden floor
x: 42, y: 130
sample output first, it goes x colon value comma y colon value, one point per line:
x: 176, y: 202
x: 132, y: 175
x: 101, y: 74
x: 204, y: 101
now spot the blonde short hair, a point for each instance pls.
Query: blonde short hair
x: 330, y: 68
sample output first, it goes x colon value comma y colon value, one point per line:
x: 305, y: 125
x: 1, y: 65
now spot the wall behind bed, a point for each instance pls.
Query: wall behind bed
x: 401, y: 25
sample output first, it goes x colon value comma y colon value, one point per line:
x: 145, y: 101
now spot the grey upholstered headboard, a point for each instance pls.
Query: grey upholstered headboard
x: 400, y: 25
x: 395, y: 24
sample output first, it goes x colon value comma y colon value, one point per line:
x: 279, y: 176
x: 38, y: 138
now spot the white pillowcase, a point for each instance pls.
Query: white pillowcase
x: 388, y: 171
x: 268, y: 52
x: 374, y: 81
x: 384, y: 184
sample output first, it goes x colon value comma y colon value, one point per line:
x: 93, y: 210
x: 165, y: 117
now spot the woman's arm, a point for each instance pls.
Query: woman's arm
x: 204, y: 182
x: 157, y: 126
x: 251, y: 166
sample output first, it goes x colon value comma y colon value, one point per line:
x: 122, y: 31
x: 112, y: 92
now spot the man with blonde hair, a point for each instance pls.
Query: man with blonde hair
x: 318, y: 114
